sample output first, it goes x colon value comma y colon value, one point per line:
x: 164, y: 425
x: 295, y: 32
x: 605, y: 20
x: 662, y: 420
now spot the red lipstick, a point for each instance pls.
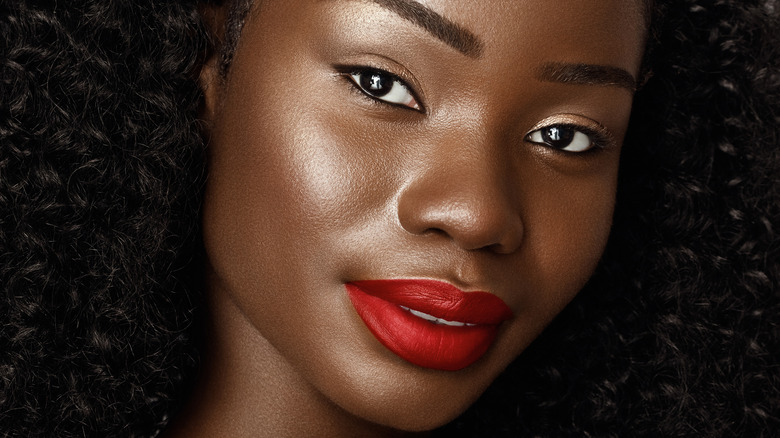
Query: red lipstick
x: 429, y: 323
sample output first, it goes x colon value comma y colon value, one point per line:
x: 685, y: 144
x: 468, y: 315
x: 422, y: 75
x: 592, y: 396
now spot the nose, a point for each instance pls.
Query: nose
x: 467, y: 197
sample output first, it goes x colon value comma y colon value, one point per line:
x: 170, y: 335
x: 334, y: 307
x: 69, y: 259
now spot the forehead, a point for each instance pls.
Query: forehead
x: 484, y: 13
x: 566, y: 30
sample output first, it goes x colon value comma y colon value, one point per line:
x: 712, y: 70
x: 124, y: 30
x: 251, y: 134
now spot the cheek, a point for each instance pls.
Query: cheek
x: 567, y: 220
x: 283, y: 151
x: 577, y: 224
x: 283, y: 191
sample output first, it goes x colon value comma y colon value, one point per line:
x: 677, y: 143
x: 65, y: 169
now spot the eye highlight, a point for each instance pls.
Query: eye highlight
x: 565, y: 137
x: 385, y: 87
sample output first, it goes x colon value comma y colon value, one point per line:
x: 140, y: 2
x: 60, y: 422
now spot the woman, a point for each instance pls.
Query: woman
x: 367, y: 155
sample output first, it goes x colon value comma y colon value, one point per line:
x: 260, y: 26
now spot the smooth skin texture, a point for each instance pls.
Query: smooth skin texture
x: 313, y: 184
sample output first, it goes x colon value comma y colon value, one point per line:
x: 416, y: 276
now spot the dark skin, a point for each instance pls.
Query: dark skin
x: 491, y: 165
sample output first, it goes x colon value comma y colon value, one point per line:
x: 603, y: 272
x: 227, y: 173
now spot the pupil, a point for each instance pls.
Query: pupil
x: 558, y: 136
x: 376, y: 83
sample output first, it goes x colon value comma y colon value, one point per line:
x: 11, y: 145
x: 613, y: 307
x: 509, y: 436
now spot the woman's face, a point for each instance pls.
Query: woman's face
x: 359, y: 140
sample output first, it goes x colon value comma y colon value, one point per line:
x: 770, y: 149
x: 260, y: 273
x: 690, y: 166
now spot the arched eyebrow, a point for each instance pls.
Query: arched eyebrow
x: 470, y: 45
x: 586, y: 74
x: 450, y: 33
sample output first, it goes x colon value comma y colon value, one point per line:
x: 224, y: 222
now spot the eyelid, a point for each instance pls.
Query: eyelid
x: 399, y: 74
x: 398, y: 89
x: 602, y: 137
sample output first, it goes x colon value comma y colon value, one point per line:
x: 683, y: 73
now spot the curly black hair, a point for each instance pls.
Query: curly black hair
x: 678, y: 333
x: 101, y: 166
x: 101, y: 170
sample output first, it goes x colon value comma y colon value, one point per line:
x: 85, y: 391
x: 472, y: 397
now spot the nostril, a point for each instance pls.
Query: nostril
x: 510, y: 238
x: 492, y: 227
x: 472, y: 219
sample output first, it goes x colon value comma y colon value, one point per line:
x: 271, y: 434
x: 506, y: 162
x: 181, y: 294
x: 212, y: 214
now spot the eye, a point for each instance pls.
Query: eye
x: 563, y: 137
x: 383, y: 86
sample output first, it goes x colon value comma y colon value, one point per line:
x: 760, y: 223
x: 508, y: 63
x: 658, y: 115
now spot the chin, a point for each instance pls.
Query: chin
x: 395, y: 394
x: 410, y: 417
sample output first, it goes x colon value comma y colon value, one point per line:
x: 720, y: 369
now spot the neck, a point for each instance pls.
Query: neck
x: 247, y: 389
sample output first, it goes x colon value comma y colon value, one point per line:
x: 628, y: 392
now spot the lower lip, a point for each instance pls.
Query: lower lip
x: 422, y: 342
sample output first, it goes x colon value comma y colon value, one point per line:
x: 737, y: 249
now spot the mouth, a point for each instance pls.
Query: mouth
x: 429, y: 323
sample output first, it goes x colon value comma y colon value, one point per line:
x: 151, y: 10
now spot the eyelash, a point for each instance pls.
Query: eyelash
x: 599, y: 137
x: 349, y: 74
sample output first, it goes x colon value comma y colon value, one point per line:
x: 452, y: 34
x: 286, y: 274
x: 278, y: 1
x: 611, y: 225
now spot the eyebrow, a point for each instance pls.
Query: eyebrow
x: 440, y: 27
x: 586, y: 74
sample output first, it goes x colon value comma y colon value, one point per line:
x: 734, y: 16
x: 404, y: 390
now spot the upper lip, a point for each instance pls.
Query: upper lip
x: 440, y: 299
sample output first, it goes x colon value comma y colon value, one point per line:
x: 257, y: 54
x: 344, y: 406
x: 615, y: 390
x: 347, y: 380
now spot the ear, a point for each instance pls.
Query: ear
x: 210, y: 77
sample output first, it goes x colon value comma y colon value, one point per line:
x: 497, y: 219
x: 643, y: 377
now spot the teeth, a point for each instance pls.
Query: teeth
x: 436, y: 320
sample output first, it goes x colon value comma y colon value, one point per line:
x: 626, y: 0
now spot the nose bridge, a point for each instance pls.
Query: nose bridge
x: 464, y: 190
